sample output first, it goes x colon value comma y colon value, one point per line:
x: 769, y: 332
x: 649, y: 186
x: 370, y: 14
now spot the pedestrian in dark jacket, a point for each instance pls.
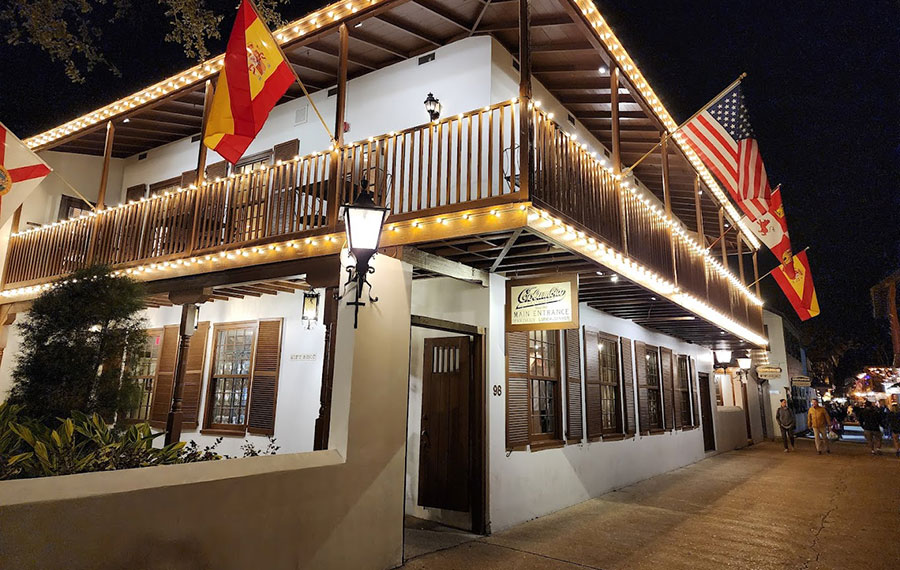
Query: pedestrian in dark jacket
x: 893, y: 421
x: 870, y: 421
x: 785, y: 418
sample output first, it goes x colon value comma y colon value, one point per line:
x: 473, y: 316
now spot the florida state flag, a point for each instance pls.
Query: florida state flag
x: 20, y: 172
x: 254, y: 78
x: 771, y: 229
x: 799, y: 288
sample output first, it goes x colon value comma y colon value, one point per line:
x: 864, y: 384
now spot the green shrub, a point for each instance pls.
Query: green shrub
x: 83, y: 443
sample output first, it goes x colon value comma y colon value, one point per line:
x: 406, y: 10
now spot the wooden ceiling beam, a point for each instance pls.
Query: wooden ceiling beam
x: 408, y: 28
x: 538, y: 22
x: 364, y: 38
x: 443, y: 14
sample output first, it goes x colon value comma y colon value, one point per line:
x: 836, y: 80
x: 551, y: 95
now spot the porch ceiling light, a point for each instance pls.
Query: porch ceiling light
x: 433, y: 106
x: 744, y: 363
x: 364, y: 221
x: 723, y: 356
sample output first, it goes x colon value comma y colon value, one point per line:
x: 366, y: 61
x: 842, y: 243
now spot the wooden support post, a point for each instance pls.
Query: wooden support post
x: 336, y: 169
x: 189, y: 301
x: 329, y: 320
x: 616, y: 146
x: 756, y: 273
x: 107, y: 156
x: 201, y: 163
x: 667, y: 190
x: 667, y: 201
x: 526, y: 160
x: 13, y: 229
x: 201, y: 156
x: 722, y: 236
x: 701, y: 234
x: 740, y: 255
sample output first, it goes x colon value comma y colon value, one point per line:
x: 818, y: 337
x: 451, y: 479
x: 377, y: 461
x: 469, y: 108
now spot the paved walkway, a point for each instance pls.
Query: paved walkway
x: 757, y: 508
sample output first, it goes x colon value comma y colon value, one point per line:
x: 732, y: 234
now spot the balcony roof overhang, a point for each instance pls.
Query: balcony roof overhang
x: 570, y: 42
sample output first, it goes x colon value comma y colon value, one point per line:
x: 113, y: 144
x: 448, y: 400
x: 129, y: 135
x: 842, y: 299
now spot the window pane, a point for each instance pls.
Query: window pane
x: 231, y: 380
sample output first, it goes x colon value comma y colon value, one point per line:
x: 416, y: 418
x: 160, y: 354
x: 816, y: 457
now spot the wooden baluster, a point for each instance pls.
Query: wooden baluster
x: 490, y: 154
x: 436, y: 189
x: 459, y: 144
x: 406, y: 193
x: 480, y: 158
x: 501, y: 148
x: 469, y: 158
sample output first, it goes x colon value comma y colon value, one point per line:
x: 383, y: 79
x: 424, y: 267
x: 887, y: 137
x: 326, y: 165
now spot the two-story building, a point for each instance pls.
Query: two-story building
x: 457, y: 399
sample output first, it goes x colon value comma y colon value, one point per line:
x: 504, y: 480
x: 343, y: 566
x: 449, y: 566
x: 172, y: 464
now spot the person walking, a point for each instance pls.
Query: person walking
x: 870, y: 421
x: 817, y: 420
x: 893, y: 421
x: 785, y: 418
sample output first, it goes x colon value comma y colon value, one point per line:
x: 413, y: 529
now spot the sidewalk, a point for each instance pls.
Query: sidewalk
x: 755, y: 508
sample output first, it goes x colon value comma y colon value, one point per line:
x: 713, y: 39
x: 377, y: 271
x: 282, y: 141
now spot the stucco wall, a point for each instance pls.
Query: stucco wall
x: 525, y: 484
x: 334, y: 509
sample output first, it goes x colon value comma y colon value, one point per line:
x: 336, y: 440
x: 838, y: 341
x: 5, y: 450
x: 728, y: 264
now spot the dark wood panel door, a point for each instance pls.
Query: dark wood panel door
x: 444, y: 467
x: 709, y: 436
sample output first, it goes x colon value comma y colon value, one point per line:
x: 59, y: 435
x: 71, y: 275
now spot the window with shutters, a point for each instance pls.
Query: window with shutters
x: 145, y: 374
x: 683, y: 386
x: 71, y: 207
x: 229, y: 384
x: 654, y: 399
x: 607, y: 348
x: 243, y: 380
x: 543, y: 371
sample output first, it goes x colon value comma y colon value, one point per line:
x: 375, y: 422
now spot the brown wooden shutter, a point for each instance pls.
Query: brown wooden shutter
x: 188, y: 178
x: 518, y: 403
x: 193, y: 376
x: 678, y: 392
x: 217, y: 170
x: 264, y: 383
x: 574, y: 430
x: 165, y: 377
x: 135, y: 193
x: 695, y: 384
x: 628, y: 385
x: 286, y: 150
x: 640, y: 363
x: 668, y: 387
x: 592, y: 399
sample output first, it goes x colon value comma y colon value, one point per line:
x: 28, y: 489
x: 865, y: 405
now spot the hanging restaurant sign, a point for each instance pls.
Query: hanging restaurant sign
x: 765, y: 372
x: 801, y: 381
x: 542, y: 303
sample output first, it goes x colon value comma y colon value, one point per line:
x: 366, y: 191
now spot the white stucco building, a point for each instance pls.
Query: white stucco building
x: 442, y: 404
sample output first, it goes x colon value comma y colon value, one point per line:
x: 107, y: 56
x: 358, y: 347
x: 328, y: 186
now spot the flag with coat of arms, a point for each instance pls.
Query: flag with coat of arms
x: 21, y: 170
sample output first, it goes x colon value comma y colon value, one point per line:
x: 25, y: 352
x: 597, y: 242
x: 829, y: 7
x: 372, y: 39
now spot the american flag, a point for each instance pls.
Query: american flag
x: 724, y: 139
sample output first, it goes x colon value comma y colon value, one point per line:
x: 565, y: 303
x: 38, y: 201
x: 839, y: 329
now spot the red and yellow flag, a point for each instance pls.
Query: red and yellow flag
x: 799, y: 288
x: 254, y: 78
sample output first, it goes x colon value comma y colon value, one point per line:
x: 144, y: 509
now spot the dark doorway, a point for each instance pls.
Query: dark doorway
x: 444, y: 468
x: 762, y: 389
x: 709, y: 436
x: 746, y: 411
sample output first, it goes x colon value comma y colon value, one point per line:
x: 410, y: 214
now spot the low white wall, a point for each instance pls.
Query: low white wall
x: 308, y: 510
x: 553, y: 479
x: 731, y: 428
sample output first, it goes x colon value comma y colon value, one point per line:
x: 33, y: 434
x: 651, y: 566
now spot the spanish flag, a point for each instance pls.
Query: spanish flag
x: 799, y: 288
x: 254, y: 78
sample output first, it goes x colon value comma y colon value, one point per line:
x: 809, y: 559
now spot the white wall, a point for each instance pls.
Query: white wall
x: 552, y: 479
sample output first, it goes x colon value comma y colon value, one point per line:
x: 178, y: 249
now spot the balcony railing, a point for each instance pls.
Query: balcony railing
x: 470, y: 159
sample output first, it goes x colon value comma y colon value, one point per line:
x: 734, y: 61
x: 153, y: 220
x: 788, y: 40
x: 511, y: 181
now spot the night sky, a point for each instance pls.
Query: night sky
x: 824, y: 93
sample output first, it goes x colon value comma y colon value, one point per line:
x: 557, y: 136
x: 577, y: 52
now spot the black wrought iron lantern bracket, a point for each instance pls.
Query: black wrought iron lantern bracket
x: 364, y: 220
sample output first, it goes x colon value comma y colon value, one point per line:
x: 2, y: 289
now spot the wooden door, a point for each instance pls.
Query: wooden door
x: 444, y: 440
x: 709, y: 436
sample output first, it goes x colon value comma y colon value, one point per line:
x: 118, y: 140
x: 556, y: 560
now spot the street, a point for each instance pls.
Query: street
x: 755, y: 508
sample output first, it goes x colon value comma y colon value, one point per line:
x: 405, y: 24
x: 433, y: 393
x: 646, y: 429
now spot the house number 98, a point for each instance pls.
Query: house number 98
x: 498, y: 390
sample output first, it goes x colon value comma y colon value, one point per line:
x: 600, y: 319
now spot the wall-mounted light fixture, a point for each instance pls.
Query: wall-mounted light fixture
x: 364, y: 221
x: 310, y: 312
x: 433, y: 106
x: 723, y: 356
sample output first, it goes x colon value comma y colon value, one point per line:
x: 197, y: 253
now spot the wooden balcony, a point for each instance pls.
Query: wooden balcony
x: 444, y: 168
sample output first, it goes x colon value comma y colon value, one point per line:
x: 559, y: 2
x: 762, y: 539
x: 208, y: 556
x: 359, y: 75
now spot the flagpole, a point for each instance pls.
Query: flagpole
x: 773, y: 269
x: 294, y: 71
x: 73, y: 189
x: 667, y: 135
x: 710, y: 246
